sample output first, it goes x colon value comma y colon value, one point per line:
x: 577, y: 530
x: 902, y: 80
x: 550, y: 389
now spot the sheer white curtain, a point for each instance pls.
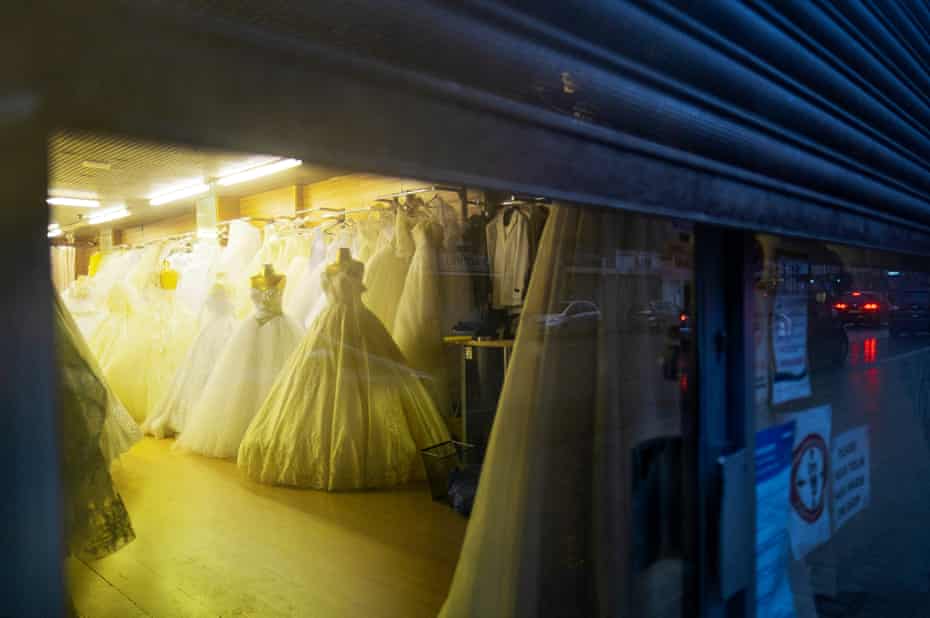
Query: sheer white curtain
x: 62, y: 267
x: 550, y: 533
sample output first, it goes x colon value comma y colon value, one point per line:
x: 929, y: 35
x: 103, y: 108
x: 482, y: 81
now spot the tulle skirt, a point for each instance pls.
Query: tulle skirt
x: 171, y: 413
x: 238, y: 385
x: 345, y: 413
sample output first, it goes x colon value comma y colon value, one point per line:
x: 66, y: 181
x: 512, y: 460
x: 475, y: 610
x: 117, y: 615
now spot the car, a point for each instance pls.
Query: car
x: 910, y: 312
x: 574, y: 311
x: 655, y: 316
x: 828, y: 345
x: 860, y: 308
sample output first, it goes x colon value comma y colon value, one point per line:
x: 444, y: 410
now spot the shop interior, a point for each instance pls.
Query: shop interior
x: 281, y: 379
x: 210, y: 291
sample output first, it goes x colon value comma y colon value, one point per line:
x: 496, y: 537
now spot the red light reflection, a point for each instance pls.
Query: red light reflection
x: 870, y: 350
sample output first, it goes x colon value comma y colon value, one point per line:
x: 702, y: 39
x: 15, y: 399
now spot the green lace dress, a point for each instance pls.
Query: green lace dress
x: 96, y: 521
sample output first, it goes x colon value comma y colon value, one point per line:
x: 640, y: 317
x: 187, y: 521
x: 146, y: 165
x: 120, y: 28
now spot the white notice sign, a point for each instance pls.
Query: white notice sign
x: 809, y: 525
x: 789, y: 332
x: 850, y: 474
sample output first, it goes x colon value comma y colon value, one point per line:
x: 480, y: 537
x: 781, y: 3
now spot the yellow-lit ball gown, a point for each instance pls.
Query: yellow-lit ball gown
x: 346, y: 412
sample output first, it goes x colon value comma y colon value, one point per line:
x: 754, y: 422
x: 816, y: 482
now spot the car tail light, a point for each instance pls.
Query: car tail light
x: 857, y: 293
x: 870, y: 306
x: 683, y: 317
x: 841, y: 306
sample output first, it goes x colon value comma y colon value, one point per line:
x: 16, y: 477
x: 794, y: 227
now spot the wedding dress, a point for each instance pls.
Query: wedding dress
x: 343, y: 241
x: 346, y: 412
x: 119, y: 431
x: 455, y: 284
x: 311, y: 300
x: 196, y: 274
x: 114, y: 329
x: 244, y: 372
x: 297, y: 297
x: 418, y: 324
x: 79, y: 300
x: 386, y: 272
x: 96, y: 522
x: 218, y: 323
x: 171, y: 329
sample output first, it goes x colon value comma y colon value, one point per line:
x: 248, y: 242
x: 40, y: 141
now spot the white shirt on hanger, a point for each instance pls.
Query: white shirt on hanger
x: 509, y: 253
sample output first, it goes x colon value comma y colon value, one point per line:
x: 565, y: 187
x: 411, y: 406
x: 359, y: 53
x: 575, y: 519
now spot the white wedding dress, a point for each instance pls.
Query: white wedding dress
x: 244, y: 372
x: 299, y: 294
x: 346, y: 412
x: 418, y: 324
x: 79, y: 299
x: 386, y: 272
x: 217, y: 325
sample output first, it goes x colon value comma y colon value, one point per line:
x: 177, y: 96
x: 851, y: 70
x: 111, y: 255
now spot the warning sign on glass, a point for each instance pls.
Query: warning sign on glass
x: 809, y: 488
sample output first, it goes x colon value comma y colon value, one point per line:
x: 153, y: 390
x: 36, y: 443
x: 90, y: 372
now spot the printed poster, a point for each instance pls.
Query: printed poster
x: 789, y: 331
x: 850, y: 474
x: 773, y: 456
x: 809, y: 524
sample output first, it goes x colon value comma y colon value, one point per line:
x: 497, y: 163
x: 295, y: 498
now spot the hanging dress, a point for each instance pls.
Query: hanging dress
x: 386, y: 273
x: 346, y: 412
x: 119, y: 430
x: 244, y: 372
x: 455, y: 283
x: 172, y: 329
x: 310, y: 299
x: 418, y: 325
x: 122, y: 346
x: 79, y: 300
x: 95, y: 520
x: 302, y: 291
x: 217, y: 326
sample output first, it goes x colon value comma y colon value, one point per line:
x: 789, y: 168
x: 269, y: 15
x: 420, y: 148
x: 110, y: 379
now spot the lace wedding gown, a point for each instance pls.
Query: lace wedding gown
x: 96, y: 522
x: 244, y: 372
x: 217, y: 326
x: 172, y: 329
x: 346, y: 411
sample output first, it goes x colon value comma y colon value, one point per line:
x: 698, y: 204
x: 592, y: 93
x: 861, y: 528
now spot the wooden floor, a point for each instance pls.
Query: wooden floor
x: 210, y: 543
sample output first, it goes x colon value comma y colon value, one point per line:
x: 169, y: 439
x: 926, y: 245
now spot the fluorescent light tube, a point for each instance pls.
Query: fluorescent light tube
x: 258, y: 172
x: 72, y: 201
x: 111, y: 214
x: 174, y: 195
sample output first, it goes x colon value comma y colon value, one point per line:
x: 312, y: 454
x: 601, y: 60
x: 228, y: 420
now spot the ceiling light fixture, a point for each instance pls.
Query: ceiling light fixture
x: 54, y: 230
x: 72, y: 201
x: 176, y: 194
x: 111, y: 214
x: 258, y: 172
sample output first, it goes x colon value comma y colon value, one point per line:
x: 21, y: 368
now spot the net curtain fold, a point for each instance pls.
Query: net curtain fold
x: 550, y: 527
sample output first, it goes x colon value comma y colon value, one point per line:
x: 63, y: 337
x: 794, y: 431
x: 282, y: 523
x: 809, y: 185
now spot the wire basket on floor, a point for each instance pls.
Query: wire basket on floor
x: 440, y: 460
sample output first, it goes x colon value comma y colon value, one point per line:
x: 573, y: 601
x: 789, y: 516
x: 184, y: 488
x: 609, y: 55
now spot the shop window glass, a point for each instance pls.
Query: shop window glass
x: 842, y: 338
x: 364, y: 395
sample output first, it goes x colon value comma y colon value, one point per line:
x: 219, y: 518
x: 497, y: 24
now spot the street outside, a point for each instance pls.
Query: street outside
x: 879, y: 562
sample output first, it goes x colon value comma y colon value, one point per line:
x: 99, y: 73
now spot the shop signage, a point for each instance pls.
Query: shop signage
x: 809, y: 524
x: 850, y: 474
x: 773, y: 459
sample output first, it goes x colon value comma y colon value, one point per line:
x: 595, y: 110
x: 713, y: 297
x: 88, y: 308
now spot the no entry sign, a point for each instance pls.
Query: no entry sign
x: 810, y: 525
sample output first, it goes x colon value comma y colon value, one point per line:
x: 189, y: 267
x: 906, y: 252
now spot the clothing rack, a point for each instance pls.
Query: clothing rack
x: 518, y: 200
x: 459, y: 190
